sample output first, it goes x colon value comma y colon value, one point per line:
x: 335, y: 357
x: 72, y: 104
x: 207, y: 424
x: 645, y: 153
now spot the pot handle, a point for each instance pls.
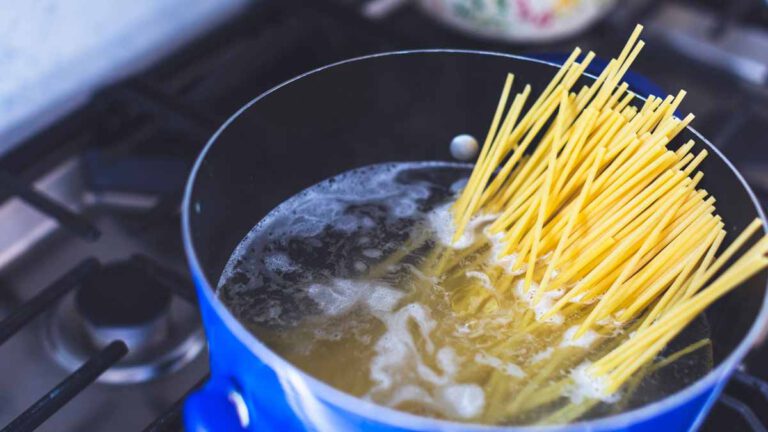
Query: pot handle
x: 217, y: 406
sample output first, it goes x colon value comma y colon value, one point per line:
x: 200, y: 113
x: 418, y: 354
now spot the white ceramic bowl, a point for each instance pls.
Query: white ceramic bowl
x: 518, y: 20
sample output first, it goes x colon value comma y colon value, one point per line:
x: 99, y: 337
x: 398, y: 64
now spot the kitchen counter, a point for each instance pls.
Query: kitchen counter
x: 54, y: 54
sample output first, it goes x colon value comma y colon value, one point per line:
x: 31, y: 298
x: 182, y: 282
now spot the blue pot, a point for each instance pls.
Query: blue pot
x: 396, y: 106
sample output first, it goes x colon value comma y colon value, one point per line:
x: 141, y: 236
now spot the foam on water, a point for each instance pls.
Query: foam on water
x: 544, y: 304
x: 338, y: 228
x: 341, y: 295
x: 498, y: 256
x: 419, y: 273
x: 611, y: 321
x: 508, y: 368
x: 466, y: 400
x: 310, y: 212
x: 398, y: 363
x: 441, y: 223
x: 409, y: 393
x: 483, y: 278
x: 372, y: 253
x: 587, y: 386
x: 583, y: 341
x: 279, y: 262
x: 542, y: 355
x: 397, y: 346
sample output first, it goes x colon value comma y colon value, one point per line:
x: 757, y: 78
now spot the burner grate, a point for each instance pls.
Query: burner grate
x: 41, y: 302
x: 171, y: 419
x: 47, y: 405
x: 71, y: 221
x: 96, y: 365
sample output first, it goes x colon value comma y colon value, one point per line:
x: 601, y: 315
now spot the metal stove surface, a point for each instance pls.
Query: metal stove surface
x: 88, y: 202
x: 30, y: 368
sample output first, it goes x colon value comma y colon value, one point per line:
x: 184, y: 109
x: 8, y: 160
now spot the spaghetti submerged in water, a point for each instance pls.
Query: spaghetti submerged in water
x: 542, y: 289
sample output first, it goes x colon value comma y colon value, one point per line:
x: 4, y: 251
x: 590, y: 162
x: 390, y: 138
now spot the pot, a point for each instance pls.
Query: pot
x: 403, y: 106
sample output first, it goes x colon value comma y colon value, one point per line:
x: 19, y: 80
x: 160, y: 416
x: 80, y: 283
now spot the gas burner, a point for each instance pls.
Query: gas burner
x: 124, y: 301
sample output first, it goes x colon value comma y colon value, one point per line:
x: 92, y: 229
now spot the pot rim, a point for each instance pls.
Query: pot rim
x: 389, y: 416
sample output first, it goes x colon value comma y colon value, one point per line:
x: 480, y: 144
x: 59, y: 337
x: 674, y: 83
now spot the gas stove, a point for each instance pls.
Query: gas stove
x: 98, y: 323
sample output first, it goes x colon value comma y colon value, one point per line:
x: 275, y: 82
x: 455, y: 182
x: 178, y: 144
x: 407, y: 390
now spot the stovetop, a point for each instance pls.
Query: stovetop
x: 79, y: 226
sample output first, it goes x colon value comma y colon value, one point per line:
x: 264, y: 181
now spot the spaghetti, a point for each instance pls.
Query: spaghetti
x: 603, y: 222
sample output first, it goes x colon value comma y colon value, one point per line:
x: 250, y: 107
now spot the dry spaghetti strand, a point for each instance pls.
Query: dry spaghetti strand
x: 592, y: 217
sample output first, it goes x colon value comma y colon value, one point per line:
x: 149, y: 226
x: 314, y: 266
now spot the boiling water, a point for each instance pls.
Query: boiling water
x: 348, y: 281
